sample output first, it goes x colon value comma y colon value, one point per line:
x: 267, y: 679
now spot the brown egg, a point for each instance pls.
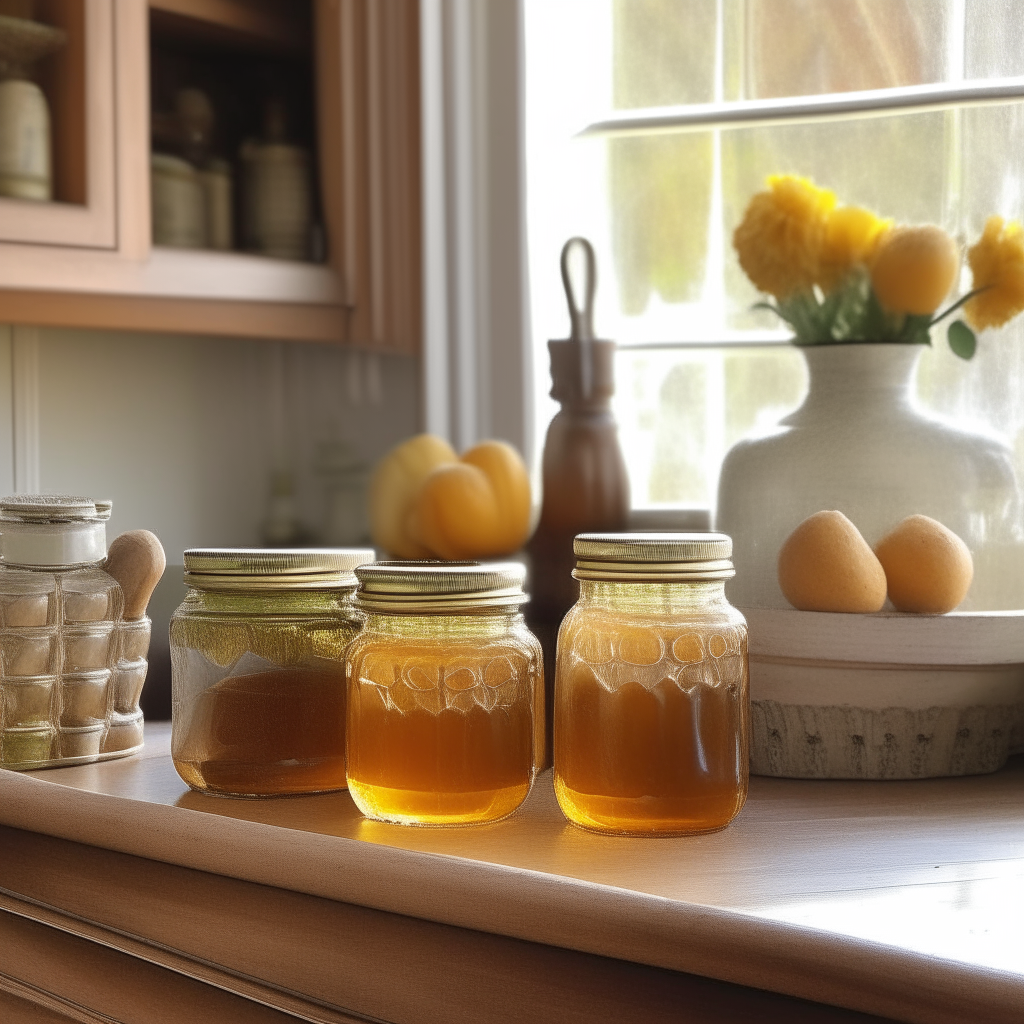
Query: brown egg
x: 928, y: 567
x: 825, y: 565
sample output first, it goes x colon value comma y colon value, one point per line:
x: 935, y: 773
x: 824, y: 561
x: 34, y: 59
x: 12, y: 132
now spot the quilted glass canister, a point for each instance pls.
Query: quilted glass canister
x: 71, y: 666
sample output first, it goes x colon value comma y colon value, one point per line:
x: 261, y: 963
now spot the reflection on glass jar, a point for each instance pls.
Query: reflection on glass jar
x: 445, y: 690
x: 651, y: 701
x: 86, y: 650
x: 83, y: 698
x: 257, y: 669
x: 28, y: 653
x: 26, y: 702
x: 80, y: 741
x: 26, y: 747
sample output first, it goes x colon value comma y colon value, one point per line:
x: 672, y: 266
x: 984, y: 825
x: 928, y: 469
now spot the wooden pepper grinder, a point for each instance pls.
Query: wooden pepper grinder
x: 586, y: 485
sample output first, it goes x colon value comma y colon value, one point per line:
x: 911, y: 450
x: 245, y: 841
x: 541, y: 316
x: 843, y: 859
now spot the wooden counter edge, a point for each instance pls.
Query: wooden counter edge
x: 552, y: 910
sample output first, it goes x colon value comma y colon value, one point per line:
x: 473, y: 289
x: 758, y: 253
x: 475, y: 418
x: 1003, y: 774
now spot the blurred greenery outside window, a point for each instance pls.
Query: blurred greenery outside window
x: 698, y: 368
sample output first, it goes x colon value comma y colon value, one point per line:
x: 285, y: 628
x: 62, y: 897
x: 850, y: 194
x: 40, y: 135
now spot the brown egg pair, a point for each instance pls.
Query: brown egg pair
x: 826, y: 565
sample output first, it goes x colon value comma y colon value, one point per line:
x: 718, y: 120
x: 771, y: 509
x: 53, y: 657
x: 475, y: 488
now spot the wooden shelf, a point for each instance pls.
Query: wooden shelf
x: 272, y: 26
x: 225, y: 293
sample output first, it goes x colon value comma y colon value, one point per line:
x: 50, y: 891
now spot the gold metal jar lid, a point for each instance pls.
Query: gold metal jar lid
x: 439, y: 587
x: 653, y: 557
x: 273, y: 568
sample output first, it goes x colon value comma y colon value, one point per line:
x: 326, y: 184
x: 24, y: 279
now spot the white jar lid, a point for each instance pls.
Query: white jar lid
x: 52, y: 530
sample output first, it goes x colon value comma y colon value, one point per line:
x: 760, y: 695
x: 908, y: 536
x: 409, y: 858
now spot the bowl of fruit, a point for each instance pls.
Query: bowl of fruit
x: 872, y: 673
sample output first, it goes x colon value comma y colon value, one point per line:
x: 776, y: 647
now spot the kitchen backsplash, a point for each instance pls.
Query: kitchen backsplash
x: 186, y: 433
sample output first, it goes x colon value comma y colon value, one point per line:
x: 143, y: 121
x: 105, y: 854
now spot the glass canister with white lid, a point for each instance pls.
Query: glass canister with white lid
x: 257, y: 669
x: 445, y: 693
x: 72, y: 666
x: 651, y: 687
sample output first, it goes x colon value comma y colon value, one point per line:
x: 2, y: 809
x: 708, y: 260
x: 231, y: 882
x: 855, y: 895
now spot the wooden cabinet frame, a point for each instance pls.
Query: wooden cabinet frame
x: 94, y: 265
x: 92, y: 224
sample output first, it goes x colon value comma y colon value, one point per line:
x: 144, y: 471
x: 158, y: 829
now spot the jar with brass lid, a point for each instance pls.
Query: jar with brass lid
x: 257, y: 669
x: 445, y: 693
x: 651, y: 687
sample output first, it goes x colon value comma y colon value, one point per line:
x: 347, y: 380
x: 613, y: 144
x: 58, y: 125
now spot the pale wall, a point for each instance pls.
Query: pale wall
x: 181, y: 432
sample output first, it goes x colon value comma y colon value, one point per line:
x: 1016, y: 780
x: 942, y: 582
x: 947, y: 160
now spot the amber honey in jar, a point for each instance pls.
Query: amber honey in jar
x: 445, y: 693
x: 257, y: 669
x: 651, y: 687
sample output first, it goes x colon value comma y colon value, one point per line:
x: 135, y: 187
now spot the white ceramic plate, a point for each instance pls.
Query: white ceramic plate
x: 893, y: 638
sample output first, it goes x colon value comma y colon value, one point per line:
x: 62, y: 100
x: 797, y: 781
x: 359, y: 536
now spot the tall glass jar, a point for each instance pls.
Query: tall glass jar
x: 651, y: 687
x: 257, y: 669
x: 445, y: 694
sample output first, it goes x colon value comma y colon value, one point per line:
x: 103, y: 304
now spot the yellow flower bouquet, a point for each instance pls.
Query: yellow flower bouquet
x: 842, y: 274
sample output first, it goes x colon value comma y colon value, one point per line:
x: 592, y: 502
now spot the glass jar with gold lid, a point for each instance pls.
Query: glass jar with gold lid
x: 257, y: 669
x: 651, y: 687
x: 445, y: 693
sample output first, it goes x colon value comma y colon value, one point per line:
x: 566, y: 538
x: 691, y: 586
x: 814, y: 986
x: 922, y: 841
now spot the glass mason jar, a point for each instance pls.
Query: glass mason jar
x: 445, y: 693
x: 257, y: 669
x: 651, y: 687
x: 71, y: 666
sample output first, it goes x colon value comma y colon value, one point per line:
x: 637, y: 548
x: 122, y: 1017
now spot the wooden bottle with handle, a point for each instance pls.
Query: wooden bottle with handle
x: 585, y: 482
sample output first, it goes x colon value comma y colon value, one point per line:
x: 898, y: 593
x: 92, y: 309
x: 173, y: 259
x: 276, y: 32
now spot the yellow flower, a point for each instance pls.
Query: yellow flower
x: 851, y: 237
x: 997, y: 265
x: 780, y: 238
x: 913, y: 269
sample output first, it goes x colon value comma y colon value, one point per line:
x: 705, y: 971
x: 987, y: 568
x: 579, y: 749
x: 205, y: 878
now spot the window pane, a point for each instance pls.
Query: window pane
x: 663, y: 53
x: 680, y: 411
x: 806, y: 47
x: 994, y: 39
x: 661, y: 210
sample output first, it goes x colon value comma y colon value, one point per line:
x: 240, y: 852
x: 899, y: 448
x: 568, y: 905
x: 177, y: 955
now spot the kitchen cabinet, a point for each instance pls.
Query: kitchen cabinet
x: 88, y: 260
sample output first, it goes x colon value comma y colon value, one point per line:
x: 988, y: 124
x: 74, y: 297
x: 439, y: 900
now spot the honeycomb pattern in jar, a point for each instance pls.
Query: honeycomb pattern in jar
x: 650, y: 724
x: 621, y: 651
x: 442, y: 731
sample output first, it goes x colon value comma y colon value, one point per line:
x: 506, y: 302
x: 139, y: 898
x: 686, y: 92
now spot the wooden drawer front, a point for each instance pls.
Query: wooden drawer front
x: 335, y: 962
x: 47, y: 975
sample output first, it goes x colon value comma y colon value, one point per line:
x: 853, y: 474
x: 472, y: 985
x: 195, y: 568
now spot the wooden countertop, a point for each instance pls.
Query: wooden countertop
x: 903, y: 899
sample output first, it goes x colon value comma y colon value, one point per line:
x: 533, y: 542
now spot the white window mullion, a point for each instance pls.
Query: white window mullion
x: 436, y: 360
x: 910, y: 99
x: 462, y: 185
x: 475, y: 373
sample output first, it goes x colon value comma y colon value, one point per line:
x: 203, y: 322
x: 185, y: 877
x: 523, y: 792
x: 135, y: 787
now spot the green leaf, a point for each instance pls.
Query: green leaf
x: 876, y: 325
x: 915, y: 330
x: 961, y: 339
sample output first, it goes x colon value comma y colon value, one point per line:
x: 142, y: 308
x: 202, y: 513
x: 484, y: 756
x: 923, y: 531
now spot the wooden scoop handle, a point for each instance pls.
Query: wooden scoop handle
x: 136, y: 560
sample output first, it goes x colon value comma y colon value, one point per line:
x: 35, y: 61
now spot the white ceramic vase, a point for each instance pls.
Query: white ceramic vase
x: 860, y: 444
